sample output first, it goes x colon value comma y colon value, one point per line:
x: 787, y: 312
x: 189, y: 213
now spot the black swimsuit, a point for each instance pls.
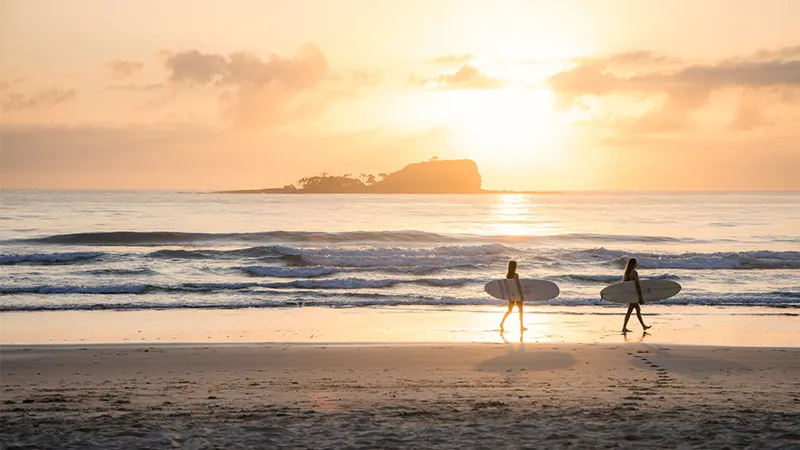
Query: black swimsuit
x: 519, y: 302
x: 629, y: 277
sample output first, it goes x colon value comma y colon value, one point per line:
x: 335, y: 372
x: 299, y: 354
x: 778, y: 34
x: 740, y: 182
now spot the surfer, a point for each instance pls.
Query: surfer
x: 513, y: 275
x: 632, y: 275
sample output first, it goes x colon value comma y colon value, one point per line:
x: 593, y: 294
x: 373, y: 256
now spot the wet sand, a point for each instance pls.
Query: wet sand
x: 459, y: 395
x: 687, y: 325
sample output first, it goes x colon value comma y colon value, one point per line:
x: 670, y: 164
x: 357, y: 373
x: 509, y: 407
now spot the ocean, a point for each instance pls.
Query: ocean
x: 88, y: 250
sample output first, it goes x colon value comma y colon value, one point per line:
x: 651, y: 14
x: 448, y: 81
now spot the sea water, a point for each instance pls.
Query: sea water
x: 85, y: 250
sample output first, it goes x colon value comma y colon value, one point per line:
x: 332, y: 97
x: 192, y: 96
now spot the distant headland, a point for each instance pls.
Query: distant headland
x: 430, y: 177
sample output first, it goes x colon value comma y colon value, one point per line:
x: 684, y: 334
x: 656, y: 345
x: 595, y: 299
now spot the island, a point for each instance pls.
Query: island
x: 430, y: 177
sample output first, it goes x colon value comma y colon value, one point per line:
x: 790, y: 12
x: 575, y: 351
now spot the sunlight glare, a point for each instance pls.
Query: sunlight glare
x: 514, y: 124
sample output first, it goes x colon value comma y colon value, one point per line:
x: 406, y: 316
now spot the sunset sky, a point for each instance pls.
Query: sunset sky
x: 543, y: 95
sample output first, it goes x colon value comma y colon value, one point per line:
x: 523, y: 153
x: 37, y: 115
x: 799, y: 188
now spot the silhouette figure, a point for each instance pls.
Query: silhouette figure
x: 632, y: 275
x: 512, y: 274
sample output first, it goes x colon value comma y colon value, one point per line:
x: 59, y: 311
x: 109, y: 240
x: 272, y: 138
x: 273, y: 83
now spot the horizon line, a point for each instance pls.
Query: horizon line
x: 485, y: 191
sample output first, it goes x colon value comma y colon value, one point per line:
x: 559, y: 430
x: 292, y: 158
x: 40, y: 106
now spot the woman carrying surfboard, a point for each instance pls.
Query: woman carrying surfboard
x: 512, y: 274
x: 515, y: 291
x: 632, y: 275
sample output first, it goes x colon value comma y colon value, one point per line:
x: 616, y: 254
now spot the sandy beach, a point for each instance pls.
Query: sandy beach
x: 400, y: 396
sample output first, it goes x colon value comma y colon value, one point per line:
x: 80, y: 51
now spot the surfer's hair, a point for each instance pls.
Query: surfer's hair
x: 512, y: 268
x: 629, y: 268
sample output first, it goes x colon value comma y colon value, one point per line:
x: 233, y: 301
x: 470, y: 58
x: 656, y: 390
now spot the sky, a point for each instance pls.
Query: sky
x: 543, y: 95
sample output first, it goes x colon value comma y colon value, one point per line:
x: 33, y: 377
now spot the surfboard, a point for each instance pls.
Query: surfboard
x: 652, y: 290
x: 533, y: 290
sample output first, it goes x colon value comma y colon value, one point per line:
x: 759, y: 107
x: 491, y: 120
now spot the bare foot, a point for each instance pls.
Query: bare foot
x: 647, y: 327
x: 625, y: 330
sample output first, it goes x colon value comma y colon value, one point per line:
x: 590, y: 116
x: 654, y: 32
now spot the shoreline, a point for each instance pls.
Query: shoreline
x: 672, y: 325
x: 140, y: 346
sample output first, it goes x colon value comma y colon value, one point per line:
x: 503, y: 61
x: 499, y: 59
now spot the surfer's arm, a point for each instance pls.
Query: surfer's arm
x: 638, y: 286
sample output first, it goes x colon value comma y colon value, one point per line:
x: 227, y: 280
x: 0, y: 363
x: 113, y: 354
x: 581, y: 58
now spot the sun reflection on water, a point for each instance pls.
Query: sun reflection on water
x: 518, y: 215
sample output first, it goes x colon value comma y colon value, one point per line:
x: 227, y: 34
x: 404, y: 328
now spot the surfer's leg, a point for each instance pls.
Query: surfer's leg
x: 521, y: 327
x: 639, y: 316
x: 510, y: 308
x: 627, y: 317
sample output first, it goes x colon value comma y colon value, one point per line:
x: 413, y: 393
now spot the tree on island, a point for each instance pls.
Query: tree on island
x: 332, y: 183
x: 326, y: 182
x: 397, y: 181
x: 430, y: 177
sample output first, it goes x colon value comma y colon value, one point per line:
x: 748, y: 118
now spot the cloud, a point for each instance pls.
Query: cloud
x: 747, y: 74
x: 466, y: 77
x: 258, y: 92
x: 268, y: 105
x: 303, y: 70
x: 121, y: 69
x: 641, y: 58
x: 363, y: 78
x: 136, y: 87
x: 755, y: 104
x: 195, y: 67
x: 449, y: 60
x: 685, y: 89
x: 785, y: 53
x: 308, y: 67
x: 749, y: 112
x: 41, y: 100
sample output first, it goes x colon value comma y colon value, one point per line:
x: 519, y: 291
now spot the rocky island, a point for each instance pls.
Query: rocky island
x: 430, y: 177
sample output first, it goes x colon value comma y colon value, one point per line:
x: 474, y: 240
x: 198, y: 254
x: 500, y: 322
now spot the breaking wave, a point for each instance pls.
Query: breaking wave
x: 146, y: 288
x: 48, y: 258
x: 321, y: 271
x: 763, y: 259
x: 133, y: 238
x: 151, y: 238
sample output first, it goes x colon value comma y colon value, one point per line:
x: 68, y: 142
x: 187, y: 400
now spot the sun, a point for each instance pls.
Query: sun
x: 514, y: 123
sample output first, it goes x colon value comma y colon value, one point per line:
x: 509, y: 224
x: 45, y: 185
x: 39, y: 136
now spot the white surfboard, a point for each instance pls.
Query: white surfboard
x: 652, y: 290
x: 533, y: 290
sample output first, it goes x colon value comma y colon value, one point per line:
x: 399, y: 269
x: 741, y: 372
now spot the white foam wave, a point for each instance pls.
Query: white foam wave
x: 732, y: 261
x: 362, y: 283
x: 397, y: 261
x: 321, y: 271
x: 444, y: 256
x: 134, y: 288
x: 48, y: 258
x: 102, y: 289
x: 118, y: 272
x: 762, y: 259
x: 445, y: 250
x: 289, y: 272
x: 615, y: 278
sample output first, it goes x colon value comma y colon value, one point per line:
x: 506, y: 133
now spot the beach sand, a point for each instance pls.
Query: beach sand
x: 453, y: 395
